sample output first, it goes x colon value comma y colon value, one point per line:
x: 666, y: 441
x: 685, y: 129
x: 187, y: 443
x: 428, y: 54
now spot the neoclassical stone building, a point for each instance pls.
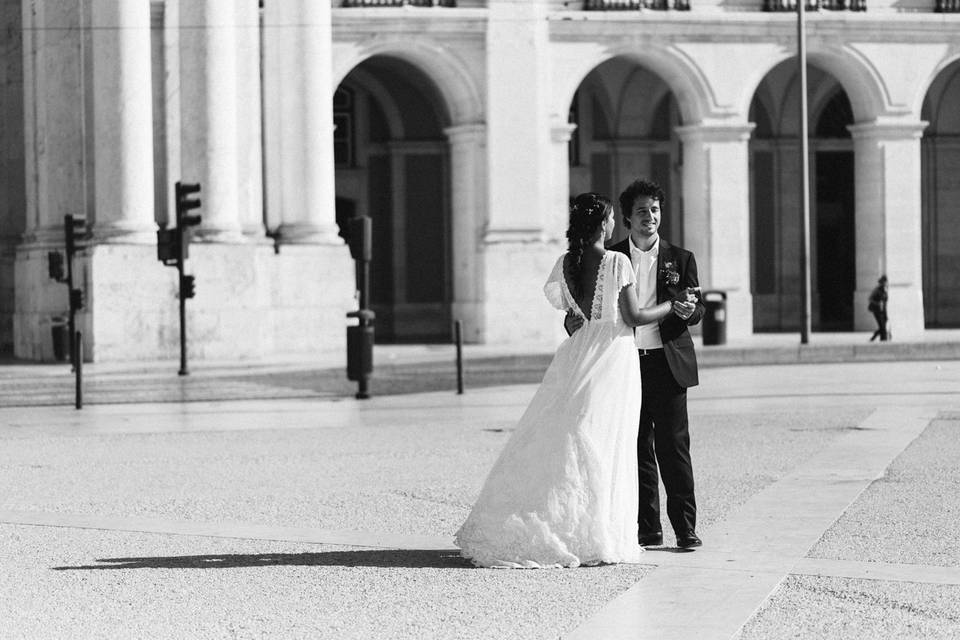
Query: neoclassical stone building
x: 461, y: 127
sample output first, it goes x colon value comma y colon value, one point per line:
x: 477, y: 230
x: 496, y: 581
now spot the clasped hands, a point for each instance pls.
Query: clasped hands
x: 685, y: 303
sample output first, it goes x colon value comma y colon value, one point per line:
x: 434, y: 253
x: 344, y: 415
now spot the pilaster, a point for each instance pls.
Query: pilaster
x: 557, y: 217
x: 467, y: 146
x: 518, y: 126
x: 716, y: 211
x: 888, y: 227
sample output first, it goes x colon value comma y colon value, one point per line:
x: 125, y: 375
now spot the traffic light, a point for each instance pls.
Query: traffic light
x: 359, y: 237
x: 168, y: 247
x: 188, y: 287
x: 55, y: 266
x: 184, y: 221
x: 76, y: 229
x: 76, y: 299
x: 185, y: 204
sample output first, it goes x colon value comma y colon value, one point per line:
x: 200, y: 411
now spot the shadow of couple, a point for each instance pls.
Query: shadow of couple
x: 385, y: 558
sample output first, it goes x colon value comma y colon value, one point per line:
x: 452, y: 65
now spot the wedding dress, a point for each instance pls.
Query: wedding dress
x: 563, y: 492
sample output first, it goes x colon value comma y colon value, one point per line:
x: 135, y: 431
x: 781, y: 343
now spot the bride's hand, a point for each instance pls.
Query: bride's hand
x: 688, y: 295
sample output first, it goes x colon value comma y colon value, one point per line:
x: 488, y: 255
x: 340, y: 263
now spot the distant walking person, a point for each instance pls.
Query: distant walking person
x: 878, y: 307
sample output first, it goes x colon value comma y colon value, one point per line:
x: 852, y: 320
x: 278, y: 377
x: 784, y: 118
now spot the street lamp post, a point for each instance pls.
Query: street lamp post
x: 805, y: 174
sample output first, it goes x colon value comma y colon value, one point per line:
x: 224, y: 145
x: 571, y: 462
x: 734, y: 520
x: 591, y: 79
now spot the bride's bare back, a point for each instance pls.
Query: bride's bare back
x: 587, y: 280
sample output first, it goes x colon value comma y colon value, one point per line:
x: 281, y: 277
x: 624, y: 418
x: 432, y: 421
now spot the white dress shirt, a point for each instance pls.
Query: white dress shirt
x: 646, y: 336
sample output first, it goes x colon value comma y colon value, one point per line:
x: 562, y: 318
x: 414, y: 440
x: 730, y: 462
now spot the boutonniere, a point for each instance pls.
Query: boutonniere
x: 669, y: 273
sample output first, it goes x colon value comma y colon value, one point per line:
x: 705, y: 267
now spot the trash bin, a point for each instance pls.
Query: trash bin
x: 715, y: 318
x: 61, y: 339
x: 359, y: 352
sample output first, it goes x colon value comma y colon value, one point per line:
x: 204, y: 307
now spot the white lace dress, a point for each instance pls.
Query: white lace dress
x: 563, y: 492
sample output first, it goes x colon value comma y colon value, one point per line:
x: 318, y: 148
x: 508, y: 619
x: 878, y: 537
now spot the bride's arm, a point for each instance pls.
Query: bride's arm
x: 633, y: 315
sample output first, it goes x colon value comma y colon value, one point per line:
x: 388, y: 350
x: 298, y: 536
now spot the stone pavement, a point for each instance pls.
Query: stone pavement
x: 829, y: 496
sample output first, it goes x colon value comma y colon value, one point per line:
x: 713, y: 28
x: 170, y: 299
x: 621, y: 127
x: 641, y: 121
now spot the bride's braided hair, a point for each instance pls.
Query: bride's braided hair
x: 587, y: 213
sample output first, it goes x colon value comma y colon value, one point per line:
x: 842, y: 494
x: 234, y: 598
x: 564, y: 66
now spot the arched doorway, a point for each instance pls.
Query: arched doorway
x: 392, y: 164
x: 775, y: 207
x: 940, y: 169
x: 626, y: 118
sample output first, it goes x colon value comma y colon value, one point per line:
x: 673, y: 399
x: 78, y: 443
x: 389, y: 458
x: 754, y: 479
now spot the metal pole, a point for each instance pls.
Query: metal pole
x: 72, y: 323
x: 183, y: 321
x: 458, y: 330
x: 78, y: 356
x: 805, y: 174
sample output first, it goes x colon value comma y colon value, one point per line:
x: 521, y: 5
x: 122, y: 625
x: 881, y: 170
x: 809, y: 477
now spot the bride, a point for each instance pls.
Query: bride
x: 563, y: 492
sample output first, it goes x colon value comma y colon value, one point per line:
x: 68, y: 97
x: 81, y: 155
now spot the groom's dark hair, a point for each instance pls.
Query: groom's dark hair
x: 637, y: 189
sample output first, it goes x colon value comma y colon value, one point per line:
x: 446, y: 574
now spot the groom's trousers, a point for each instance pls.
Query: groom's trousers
x: 664, y: 441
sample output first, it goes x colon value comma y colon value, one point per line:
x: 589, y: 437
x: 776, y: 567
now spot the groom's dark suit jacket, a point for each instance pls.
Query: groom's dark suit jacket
x: 677, y: 343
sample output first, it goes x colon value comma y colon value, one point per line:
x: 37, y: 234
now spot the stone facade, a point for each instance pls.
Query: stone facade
x: 462, y: 130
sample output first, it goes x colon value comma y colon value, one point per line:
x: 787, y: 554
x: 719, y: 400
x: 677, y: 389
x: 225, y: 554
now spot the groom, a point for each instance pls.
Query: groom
x: 668, y: 365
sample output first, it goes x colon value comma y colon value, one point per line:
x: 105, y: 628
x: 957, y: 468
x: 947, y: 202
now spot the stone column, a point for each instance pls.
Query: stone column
x: 249, y: 129
x: 123, y: 124
x: 56, y: 55
x: 208, y: 99
x: 518, y: 126
x: 298, y: 53
x: 716, y: 214
x: 467, y: 207
x: 888, y: 225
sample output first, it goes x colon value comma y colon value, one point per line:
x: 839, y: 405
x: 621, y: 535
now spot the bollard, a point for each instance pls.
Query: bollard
x: 360, y: 339
x: 78, y: 368
x: 458, y: 331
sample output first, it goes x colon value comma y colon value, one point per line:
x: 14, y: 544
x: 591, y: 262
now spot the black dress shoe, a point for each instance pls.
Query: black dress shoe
x: 688, y: 540
x: 650, y: 539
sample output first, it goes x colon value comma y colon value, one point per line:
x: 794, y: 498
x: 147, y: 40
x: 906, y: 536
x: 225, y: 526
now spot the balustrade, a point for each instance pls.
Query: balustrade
x: 633, y: 5
x: 399, y: 3
x: 826, y: 5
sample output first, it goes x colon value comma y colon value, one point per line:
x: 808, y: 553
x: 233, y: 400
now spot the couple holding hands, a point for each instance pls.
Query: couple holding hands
x: 577, y: 483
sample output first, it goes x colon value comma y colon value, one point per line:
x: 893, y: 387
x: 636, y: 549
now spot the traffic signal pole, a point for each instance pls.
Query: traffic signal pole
x: 72, y: 314
x: 75, y: 228
x: 183, y: 320
x: 173, y: 248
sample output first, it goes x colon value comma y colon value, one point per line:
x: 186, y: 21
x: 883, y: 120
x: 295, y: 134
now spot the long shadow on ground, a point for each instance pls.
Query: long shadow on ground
x: 398, y: 558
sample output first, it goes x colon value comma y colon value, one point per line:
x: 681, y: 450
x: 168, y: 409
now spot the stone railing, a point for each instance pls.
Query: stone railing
x: 816, y: 5
x: 399, y: 3
x: 948, y: 6
x: 632, y: 5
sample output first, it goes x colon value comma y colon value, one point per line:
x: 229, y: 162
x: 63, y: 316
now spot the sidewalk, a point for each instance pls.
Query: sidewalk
x: 828, y: 494
x: 401, y: 369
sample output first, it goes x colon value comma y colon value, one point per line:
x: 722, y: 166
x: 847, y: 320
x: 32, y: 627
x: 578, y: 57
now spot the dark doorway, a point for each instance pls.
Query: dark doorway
x: 392, y: 165
x: 835, y: 241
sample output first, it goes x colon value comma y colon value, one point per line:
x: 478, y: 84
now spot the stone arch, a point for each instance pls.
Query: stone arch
x: 855, y: 74
x: 924, y: 88
x: 451, y: 77
x: 375, y: 87
x: 695, y: 98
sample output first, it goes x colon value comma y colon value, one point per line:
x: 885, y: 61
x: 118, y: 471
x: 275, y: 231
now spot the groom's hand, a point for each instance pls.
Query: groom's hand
x: 684, y: 309
x: 572, y: 322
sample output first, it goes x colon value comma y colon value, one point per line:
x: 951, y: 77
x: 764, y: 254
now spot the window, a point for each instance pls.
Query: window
x: 343, y: 134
